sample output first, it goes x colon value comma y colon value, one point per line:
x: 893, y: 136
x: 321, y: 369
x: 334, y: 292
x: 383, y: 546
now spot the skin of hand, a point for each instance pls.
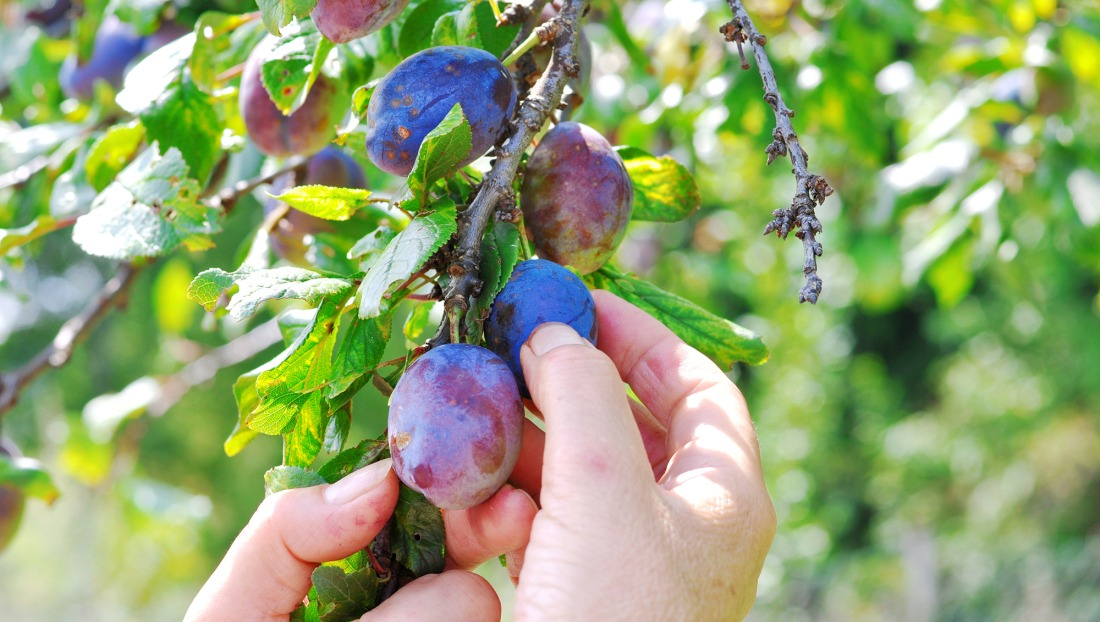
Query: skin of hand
x: 649, y: 510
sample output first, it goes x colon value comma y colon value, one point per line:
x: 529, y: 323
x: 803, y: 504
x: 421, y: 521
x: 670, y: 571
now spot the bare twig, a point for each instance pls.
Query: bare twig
x: 496, y: 194
x: 811, y: 190
x: 113, y: 294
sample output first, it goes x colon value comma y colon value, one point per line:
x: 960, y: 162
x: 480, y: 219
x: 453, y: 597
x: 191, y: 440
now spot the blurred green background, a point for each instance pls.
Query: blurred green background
x: 930, y: 430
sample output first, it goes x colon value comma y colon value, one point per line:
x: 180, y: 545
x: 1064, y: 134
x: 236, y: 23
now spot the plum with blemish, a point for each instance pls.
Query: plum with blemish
x: 576, y: 197
x: 329, y: 167
x: 412, y: 100
x: 538, y: 291
x: 455, y: 425
x: 307, y: 130
x: 116, y: 45
x: 343, y: 20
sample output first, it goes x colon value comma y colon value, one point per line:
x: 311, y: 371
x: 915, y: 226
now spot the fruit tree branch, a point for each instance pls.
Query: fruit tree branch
x: 811, y: 190
x: 496, y: 195
x: 113, y: 294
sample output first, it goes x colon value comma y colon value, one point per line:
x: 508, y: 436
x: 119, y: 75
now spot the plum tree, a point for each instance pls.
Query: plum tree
x: 412, y: 100
x: 455, y: 424
x: 344, y: 20
x: 306, y: 131
x: 541, y: 54
x: 328, y: 167
x: 116, y: 44
x: 12, y: 500
x: 538, y: 291
x: 576, y: 197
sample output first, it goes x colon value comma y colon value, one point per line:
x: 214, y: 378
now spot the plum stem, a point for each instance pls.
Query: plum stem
x: 528, y: 44
x: 498, y: 184
x: 810, y: 190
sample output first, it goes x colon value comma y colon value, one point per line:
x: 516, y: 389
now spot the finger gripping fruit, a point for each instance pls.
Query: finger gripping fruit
x: 455, y: 424
x: 412, y: 100
x: 116, y: 44
x: 343, y: 20
x: 538, y: 291
x: 307, y: 130
x: 576, y: 197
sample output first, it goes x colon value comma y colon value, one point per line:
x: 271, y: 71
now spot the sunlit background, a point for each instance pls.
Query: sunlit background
x: 930, y: 430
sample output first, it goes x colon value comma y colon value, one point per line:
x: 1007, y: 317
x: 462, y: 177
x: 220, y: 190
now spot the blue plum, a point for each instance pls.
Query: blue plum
x: 576, y: 197
x: 116, y: 44
x: 344, y: 20
x: 412, y: 100
x: 538, y: 291
x: 455, y: 425
x: 307, y: 130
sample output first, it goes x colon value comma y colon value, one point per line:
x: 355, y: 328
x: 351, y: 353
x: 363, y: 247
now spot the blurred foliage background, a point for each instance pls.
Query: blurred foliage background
x: 930, y: 430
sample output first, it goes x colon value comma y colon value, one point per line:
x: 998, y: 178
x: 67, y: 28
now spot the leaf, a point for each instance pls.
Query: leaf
x: 476, y: 26
x: 27, y: 475
x: 499, y: 255
x: 405, y: 254
x: 149, y: 79
x: 418, y: 533
x: 418, y: 320
x: 723, y: 341
x: 280, y: 478
x: 150, y: 209
x: 325, y: 201
x: 185, y: 118
x: 255, y: 286
x: 664, y: 191
x: 360, y: 352
x: 338, y: 428
x: 441, y: 153
x: 278, y: 13
x: 111, y: 152
x: 244, y: 391
x: 373, y: 243
x: 13, y: 238
x: 445, y: 31
x: 416, y: 32
x: 221, y: 43
x: 344, y: 596
x: 292, y: 66
x: 366, y: 452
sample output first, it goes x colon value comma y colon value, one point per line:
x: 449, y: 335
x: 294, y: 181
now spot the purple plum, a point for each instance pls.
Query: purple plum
x: 116, y: 44
x: 343, y: 20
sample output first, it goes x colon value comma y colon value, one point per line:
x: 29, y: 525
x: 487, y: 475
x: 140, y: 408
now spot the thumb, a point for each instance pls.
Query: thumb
x: 267, y: 570
x: 593, y: 447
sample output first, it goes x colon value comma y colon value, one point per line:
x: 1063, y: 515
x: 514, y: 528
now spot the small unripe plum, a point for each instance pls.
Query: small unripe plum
x: 343, y: 20
x: 412, y: 100
x: 12, y: 500
x: 455, y: 425
x: 329, y: 167
x: 576, y: 197
x: 307, y: 130
x: 116, y: 44
x: 538, y: 291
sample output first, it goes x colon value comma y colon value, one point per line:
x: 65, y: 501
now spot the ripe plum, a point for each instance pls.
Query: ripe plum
x: 343, y: 20
x: 116, y: 44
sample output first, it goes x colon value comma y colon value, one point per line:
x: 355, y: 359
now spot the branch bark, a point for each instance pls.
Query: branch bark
x: 496, y: 195
x: 811, y: 190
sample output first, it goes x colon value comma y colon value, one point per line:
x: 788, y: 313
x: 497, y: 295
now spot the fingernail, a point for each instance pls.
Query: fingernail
x: 358, y: 483
x: 551, y: 335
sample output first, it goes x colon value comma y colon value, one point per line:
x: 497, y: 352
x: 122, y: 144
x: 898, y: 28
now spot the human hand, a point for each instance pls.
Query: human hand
x: 650, y: 511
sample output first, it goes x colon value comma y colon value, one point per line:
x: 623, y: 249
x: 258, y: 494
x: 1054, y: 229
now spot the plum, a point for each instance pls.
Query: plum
x: 343, y: 20
x: 542, y: 53
x: 538, y: 291
x: 412, y: 100
x: 116, y: 44
x: 12, y: 500
x: 307, y: 130
x: 576, y: 197
x: 455, y: 425
x: 329, y: 167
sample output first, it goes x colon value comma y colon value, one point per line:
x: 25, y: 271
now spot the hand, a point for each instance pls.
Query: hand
x: 651, y: 511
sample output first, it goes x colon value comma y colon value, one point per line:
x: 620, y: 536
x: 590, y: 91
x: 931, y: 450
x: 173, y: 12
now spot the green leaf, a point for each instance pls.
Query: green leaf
x: 325, y: 201
x: 723, y: 341
x: 278, y: 13
x: 111, y: 152
x: 186, y: 118
x: 405, y: 254
x: 255, y: 286
x: 373, y: 243
x: 303, y: 441
x: 664, y: 191
x: 221, y: 43
x: 151, y: 78
x: 476, y: 26
x: 418, y: 320
x: 338, y: 428
x: 14, y: 238
x: 344, y: 596
x: 27, y: 475
x: 441, y: 153
x: 361, y: 350
x: 280, y: 478
x: 416, y: 32
x: 499, y: 255
x: 150, y: 209
x: 418, y: 533
x: 445, y: 31
x: 292, y: 66
x: 244, y: 391
x: 366, y: 452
